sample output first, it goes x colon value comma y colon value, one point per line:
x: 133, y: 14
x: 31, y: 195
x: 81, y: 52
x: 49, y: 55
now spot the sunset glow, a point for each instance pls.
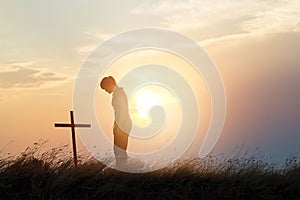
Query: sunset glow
x: 141, y: 103
x: 254, y: 44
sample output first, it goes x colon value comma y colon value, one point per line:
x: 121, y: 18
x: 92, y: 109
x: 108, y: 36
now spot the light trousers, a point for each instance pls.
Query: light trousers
x: 120, y: 144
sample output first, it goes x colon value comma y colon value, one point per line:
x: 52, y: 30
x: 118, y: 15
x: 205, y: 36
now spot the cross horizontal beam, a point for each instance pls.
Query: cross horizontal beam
x: 72, y: 125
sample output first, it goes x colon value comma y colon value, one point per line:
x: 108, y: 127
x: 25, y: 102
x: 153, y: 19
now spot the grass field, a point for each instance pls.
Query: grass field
x: 51, y: 175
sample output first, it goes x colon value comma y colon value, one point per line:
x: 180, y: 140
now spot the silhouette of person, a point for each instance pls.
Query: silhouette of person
x: 122, y: 124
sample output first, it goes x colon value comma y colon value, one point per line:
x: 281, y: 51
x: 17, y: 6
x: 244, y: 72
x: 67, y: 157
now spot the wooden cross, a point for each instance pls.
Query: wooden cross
x: 72, y: 125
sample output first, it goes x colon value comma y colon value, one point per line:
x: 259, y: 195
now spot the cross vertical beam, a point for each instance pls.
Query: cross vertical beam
x: 73, y: 125
x: 73, y: 138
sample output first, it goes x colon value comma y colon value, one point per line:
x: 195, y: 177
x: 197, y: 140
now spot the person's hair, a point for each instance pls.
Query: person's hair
x: 106, y: 81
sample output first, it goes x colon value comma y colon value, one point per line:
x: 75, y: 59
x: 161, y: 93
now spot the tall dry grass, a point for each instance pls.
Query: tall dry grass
x: 51, y: 175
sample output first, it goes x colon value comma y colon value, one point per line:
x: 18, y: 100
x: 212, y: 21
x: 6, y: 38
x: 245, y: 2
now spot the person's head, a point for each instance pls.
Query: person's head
x: 108, y: 84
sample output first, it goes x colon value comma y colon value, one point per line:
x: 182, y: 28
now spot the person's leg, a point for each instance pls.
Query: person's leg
x: 118, y: 155
x: 123, y: 143
x: 117, y: 151
x: 120, y: 145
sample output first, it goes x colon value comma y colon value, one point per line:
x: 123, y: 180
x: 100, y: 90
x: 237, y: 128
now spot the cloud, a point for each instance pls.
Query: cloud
x: 226, y: 38
x: 212, y: 18
x: 25, y: 77
x: 95, y: 35
x: 94, y: 39
x: 85, y: 50
x: 194, y: 14
x: 283, y: 16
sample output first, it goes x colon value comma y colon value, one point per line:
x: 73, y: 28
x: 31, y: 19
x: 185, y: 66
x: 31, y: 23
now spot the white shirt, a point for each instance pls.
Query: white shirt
x: 120, y: 105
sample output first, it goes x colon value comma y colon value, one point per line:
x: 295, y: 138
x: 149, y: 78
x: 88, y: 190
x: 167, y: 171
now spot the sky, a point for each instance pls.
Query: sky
x: 255, y: 45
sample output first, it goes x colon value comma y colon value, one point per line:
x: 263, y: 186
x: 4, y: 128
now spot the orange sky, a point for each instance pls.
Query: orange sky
x: 254, y: 44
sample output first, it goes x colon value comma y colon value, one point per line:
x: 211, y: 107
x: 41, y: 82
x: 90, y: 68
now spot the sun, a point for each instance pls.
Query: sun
x: 144, y: 99
x: 141, y: 103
